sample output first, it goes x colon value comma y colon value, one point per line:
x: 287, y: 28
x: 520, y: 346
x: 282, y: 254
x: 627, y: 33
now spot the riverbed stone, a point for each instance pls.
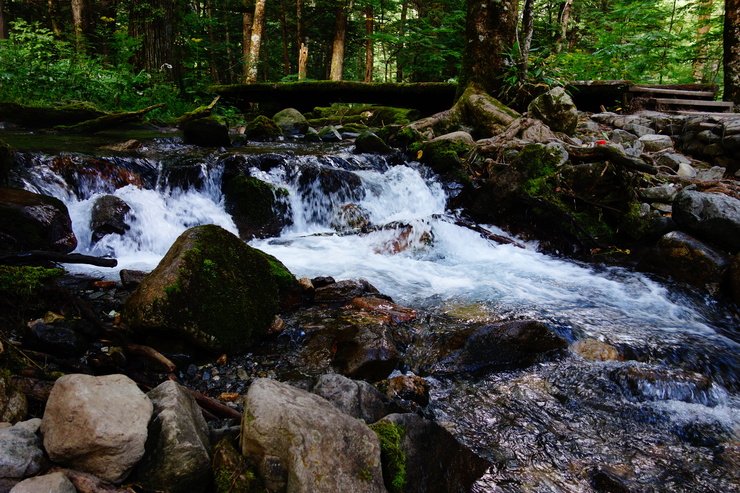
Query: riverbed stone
x: 13, y: 404
x: 356, y: 398
x: 319, y: 448
x: 291, y: 122
x: 556, y: 109
x: 178, y: 452
x: 656, y: 142
x: 211, y: 289
x: 258, y: 208
x: 21, y: 453
x: 672, y: 160
x: 711, y: 174
x: 55, y: 482
x: 592, y: 349
x: 108, y: 216
x: 710, y: 216
x: 206, y: 132
x: 686, y: 259
x: 32, y: 221
x: 96, y: 424
x: 369, y: 142
x: 663, y: 193
x: 435, y: 462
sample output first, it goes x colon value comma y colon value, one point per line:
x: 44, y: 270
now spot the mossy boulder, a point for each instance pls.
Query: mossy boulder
x: 372, y: 116
x: 263, y: 129
x: 556, y: 109
x: 211, y: 289
x: 31, y: 221
x: 259, y: 209
x: 206, y: 132
x: 291, y: 122
x: 445, y: 154
x: 369, y: 142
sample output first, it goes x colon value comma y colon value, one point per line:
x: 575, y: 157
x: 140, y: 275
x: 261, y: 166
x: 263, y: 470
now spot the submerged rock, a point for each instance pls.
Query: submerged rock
x: 315, y: 446
x: 31, y: 221
x: 96, y: 424
x: 212, y: 289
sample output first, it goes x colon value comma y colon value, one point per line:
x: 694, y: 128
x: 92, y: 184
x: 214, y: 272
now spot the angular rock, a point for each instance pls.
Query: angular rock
x: 13, y: 405
x: 556, y: 109
x: 672, y: 160
x: 713, y: 217
x: 686, y: 259
x: 353, y: 397
x: 405, y: 388
x: 178, y: 452
x: 55, y: 482
x: 330, y: 134
x: 108, y: 216
x: 711, y: 174
x: 619, y: 136
x: 435, y: 462
x: 21, y: 454
x: 263, y: 129
x: 132, y: 278
x: 96, y: 424
x: 592, y: 349
x: 291, y: 122
x: 259, y: 209
x: 686, y: 170
x: 663, y: 193
x: 210, y: 288
x: 340, y: 291
x: 56, y: 339
x: 368, y: 142
x: 206, y: 132
x: 31, y: 221
x: 638, y: 130
x: 320, y: 448
x: 655, y: 143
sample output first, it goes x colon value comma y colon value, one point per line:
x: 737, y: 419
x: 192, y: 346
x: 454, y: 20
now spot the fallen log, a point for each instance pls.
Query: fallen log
x: 35, y: 256
x: 108, y: 121
x: 199, y: 112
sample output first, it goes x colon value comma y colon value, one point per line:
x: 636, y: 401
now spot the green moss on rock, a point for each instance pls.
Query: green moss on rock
x: 256, y: 206
x: 263, y: 129
x: 444, y: 156
x: 24, y: 281
x: 391, y: 455
x: 211, y: 288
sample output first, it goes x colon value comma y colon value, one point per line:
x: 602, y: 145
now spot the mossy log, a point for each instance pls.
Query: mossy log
x: 197, y: 113
x: 28, y: 116
x: 108, y: 121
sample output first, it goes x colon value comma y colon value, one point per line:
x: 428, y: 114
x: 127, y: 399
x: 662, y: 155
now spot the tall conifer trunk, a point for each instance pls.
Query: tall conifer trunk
x: 732, y: 51
x: 152, y: 22
x: 255, y: 41
x: 3, y: 23
x: 337, y: 53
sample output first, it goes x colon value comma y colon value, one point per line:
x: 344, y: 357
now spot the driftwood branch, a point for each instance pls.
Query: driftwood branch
x: 214, y: 407
x: 152, y: 355
x: 35, y: 256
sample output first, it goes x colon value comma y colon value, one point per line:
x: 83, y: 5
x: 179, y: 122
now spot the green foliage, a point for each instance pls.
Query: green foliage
x: 23, y: 282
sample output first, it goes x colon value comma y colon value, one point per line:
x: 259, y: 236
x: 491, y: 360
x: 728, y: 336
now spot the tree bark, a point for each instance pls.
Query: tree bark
x: 153, y: 22
x: 527, y: 32
x: 369, y: 62
x: 401, y: 34
x: 80, y: 22
x: 3, y: 23
x: 247, y: 20
x: 490, y: 32
x: 732, y: 51
x: 255, y: 41
x: 563, y: 20
x: 303, y: 62
x: 702, y: 29
x: 284, y: 35
x: 337, y: 53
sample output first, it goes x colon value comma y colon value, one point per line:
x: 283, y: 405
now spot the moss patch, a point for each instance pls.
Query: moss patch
x: 256, y: 206
x: 24, y: 281
x: 263, y: 128
x: 443, y: 156
x: 391, y: 455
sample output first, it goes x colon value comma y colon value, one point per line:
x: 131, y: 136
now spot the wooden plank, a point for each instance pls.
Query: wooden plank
x: 694, y: 102
x: 675, y: 92
x: 707, y: 113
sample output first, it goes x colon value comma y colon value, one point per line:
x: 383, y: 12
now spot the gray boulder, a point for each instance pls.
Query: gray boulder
x: 21, y: 454
x: 435, y: 461
x: 301, y: 443
x: 31, y: 221
x: 714, y: 217
x: 108, y: 216
x: 354, y: 397
x: 655, y: 142
x: 291, y: 122
x: 556, y: 109
x: 96, y: 424
x: 55, y: 482
x: 178, y: 452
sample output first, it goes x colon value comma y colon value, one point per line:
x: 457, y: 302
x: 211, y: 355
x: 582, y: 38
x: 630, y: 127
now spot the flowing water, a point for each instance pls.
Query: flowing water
x: 666, y: 418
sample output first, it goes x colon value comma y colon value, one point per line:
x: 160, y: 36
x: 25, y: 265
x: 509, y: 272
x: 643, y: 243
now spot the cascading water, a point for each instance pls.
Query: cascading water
x: 667, y: 420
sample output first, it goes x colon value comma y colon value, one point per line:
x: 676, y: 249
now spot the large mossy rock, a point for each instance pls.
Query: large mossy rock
x: 445, y: 154
x: 556, y: 109
x: 257, y: 207
x: 263, y: 129
x: 30, y: 221
x: 206, y: 132
x: 291, y: 122
x: 211, y: 289
x: 311, y: 445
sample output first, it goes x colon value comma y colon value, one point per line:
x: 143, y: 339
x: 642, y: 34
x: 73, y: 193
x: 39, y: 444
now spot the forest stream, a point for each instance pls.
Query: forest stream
x: 664, y: 416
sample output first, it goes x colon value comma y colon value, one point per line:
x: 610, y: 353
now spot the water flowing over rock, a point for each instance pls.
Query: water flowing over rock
x: 55, y: 482
x: 96, y: 424
x: 320, y: 448
x: 713, y: 217
x: 258, y: 208
x: 178, y: 452
x: 354, y: 397
x: 291, y: 122
x: 556, y: 109
x: 435, y: 462
x: 687, y: 259
x: 210, y: 288
x: 31, y: 221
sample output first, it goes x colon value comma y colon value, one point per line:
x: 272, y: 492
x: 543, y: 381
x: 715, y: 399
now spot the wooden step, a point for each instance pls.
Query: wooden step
x: 707, y: 113
x: 694, y: 102
x: 673, y: 92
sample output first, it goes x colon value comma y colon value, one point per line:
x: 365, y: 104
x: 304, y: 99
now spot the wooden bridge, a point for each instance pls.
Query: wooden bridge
x: 432, y: 97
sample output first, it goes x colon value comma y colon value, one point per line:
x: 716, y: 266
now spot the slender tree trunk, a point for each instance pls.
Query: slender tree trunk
x: 731, y: 46
x: 80, y: 22
x: 153, y: 24
x: 53, y: 10
x: 337, y: 54
x: 401, y: 34
x: 527, y: 32
x: 702, y: 29
x: 247, y: 20
x: 255, y: 41
x: 369, y: 62
x: 3, y: 23
x: 284, y: 34
x: 490, y: 30
x: 303, y: 62
x: 563, y: 20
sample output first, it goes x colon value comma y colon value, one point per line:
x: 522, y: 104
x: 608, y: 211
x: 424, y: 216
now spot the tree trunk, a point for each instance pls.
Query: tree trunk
x: 732, y: 51
x: 247, y: 20
x: 337, y: 54
x: 255, y: 41
x: 303, y: 62
x: 490, y: 32
x: 527, y: 32
x: 563, y: 20
x: 153, y: 23
x: 702, y: 29
x: 284, y: 34
x: 401, y: 34
x: 3, y: 24
x: 80, y: 22
x: 369, y: 44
